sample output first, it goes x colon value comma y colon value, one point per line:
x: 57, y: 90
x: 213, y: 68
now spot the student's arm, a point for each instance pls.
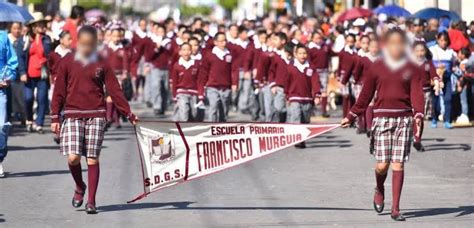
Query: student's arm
x: 416, y: 96
x: 174, y: 79
x: 346, y: 64
x: 12, y: 62
x: 203, y: 75
x: 315, y: 84
x: 365, y: 97
x: 59, y: 94
x: 281, y: 75
x: 113, y: 89
x: 235, y: 73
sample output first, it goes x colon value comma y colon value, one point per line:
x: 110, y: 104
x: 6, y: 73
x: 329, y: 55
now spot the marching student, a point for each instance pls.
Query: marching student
x: 196, y: 54
x: 185, y: 90
x: 118, y: 57
x: 347, y: 62
x: 219, y: 74
x: 54, y: 60
x: 278, y: 69
x: 265, y: 56
x: 399, y: 101
x: 79, y: 94
x: 137, y: 60
x: 158, y: 54
x: 363, y: 67
x: 302, y: 88
x: 319, y: 55
x: 259, y: 42
x: 429, y: 81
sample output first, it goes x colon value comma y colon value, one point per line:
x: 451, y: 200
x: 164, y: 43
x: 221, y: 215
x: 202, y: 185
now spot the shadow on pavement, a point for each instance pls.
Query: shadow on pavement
x: 185, y: 206
x: 462, y: 210
x: 39, y: 173
x: 26, y: 148
x: 1, y: 219
x: 434, y: 139
x: 328, y: 143
x: 447, y: 146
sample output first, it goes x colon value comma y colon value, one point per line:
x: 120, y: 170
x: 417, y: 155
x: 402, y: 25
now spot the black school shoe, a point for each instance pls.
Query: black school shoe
x: 301, y: 145
x: 418, y: 147
x: 398, y: 217
x: 90, y: 209
x: 78, y: 203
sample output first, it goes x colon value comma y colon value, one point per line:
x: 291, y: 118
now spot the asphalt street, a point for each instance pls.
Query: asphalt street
x: 330, y: 183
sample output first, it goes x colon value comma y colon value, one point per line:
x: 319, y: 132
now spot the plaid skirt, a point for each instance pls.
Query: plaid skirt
x: 391, y: 139
x: 82, y: 136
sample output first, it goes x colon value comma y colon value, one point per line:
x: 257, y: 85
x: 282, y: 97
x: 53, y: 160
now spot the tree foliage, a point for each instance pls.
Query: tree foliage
x: 229, y: 4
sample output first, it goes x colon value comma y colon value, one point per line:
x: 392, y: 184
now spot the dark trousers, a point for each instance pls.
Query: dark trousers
x: 42, y: 86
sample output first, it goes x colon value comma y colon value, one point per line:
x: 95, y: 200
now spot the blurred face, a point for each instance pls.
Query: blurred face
x: 198, y: 24
x: 194, y: 46
x: 364, y: 44
x: 374, y: 48
x: 15, y: 29
x: 262, y: 38
x: 185, y: 51
x: 116, y: 36
x: 171, y: 26
x: 159, y: 31
x: 243, y: 35
x: 142, y: 25
x: 419, y: 51
x: 350, y: 41
x: 233, y: 31
x: 317, y: 38
x: 185, y: 37
x: 39, y: 28
x: 298, y: 35
x: 107, y: 36
x: 395, y: 45
x: 66, y: 41
x: 277, y: 42
x: 86, y: 44
x: 301, y: 55
x: 220, y: 41
x: 442, y: 42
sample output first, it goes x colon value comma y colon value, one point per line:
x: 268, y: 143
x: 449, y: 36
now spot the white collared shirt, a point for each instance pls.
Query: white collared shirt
x: 314, y: 45
x: 394, y: 64
x: 140, y: 33
x: 115, y: 47
x: 362, y: 53
x: 242, y: 43
x: 301, y: 66
x: 61, y: 51
x: 220, y: 53
x: 85, y: 61
x: 179, y: 41
x: 197, y: 56
x: 348, y: 49
x: 186, y: 64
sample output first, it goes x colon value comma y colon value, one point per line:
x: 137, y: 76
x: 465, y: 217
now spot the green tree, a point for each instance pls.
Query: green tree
x: 229, y: 6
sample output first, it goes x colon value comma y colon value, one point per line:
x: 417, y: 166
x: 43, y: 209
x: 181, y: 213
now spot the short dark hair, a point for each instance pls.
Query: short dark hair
x: 289, y: 48
x: 466, y: 52
x: 168, y: 20
x: 77, y: 12
x: 218, y: 34
x: 282, y: 36
x: 242, y: 29
x: 299, y: 45
x: 89, y: 30
x: 444, y: 35
x: 395, y: 31
x: 428, y: 54
x: 183, y: 44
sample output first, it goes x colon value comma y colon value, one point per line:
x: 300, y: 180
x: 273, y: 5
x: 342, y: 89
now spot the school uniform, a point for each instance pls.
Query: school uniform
x: 157, y: 85
x: 79, y: 94
x: 399, y: 100
x: 137, y: 61
x: 302, y: 87
x: 218, y: 73
x: 319, y: 56
x: 185, y: 89
x: 347, y: 62
x: 265, y: 56
x: 278, y: 77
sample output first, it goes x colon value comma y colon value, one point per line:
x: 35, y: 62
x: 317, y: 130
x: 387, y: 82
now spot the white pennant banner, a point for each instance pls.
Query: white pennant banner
x: 173, y: 152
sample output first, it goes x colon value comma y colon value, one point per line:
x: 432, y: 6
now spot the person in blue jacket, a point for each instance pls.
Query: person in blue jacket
x: 8, y: 67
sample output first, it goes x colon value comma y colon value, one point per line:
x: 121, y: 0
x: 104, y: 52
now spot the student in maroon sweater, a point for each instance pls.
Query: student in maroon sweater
x: 347, y: 62
x: 79, y: 94
x: 185, y: 90
x: 278, y: 69
x: 319, y: 55
x: 137, y: 60
x: 118, y: 56
x: 265, y: 56
x: 303, y: 89
x: 399, y: 100
x: 429, y: 81
x: 220, y: 75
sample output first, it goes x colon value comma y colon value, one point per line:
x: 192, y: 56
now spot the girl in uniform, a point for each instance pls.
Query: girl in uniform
x: 79, y: 94
x: 399, y: 100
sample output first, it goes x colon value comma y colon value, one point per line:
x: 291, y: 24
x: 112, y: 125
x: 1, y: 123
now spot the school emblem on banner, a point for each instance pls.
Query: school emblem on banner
x: 161, y: 149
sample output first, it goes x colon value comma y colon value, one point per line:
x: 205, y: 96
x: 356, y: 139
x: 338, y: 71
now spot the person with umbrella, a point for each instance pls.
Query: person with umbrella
x: 8, y: 70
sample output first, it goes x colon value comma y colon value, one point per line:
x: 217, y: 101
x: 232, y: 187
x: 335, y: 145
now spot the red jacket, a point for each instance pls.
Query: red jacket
x: 399, y: 91
x: 185, y: 80
x: 79, y: 90
x: 303, y: 83
x: 220, y: 73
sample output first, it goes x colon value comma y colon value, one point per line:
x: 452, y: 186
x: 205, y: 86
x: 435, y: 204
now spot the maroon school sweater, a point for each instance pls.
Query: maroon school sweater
x: 79, y: 90
x: 319, y: 56
x: 362, y: 68
x: 278, y: 73
x: 185, y: 80
x: 217, y: 73
x: 399, y: 91
x: 429, y: 74
x: 303, y: 84
x: 159, y: 57
x: 118, y: 59
x: 54, y: 60
x: 347, y: 63
x: 263, y: 67
x: 137, y: 51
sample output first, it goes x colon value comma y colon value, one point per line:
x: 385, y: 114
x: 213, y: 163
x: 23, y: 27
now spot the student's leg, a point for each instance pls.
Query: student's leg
x: 212, y: 96
x: 447, y: 98
x: 323, y: 79
x: 42, y: 99
x: 183, y: 107
x: 193, y: 110
x: 165, y: 88
x: 4, y: 126
x: 28, y: 94
x: 244, y: 85
x: 268, y: 106
x: 226, y: 100
x: 154, y: 88
x: 280, y: 106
